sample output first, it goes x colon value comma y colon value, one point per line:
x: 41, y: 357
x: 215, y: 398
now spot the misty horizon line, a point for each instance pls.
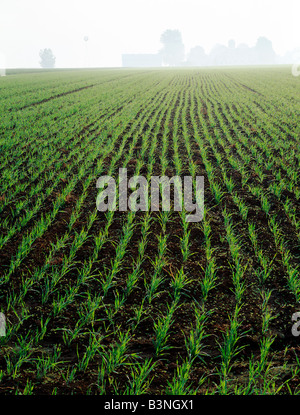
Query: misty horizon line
x: 174, y: 54
x: 24, y: 70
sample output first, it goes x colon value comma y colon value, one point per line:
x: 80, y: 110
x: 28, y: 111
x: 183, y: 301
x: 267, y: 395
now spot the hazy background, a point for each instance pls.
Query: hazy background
x: 135, y: 26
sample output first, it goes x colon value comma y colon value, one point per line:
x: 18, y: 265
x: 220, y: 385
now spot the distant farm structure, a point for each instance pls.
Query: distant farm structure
x: 139, y: 60
x: 2, y: 64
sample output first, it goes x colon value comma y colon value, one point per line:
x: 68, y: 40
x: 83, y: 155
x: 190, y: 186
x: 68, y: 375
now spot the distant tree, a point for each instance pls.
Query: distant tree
x: 219, y: 55
x: 173, y: 48
x: 244, y: 54
x: 197, y: 56
x: 231, y: 44
x: 264, y: 51
x: 47, y: 58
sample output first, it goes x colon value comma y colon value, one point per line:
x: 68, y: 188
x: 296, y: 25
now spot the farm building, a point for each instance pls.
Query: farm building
x: 139, y: 60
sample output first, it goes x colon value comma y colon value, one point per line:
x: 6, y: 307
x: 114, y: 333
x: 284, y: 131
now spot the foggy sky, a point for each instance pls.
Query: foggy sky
x: 134, y: 26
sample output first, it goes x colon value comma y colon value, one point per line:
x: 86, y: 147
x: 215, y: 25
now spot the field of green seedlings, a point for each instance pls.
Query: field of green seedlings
x: 146, y: 302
